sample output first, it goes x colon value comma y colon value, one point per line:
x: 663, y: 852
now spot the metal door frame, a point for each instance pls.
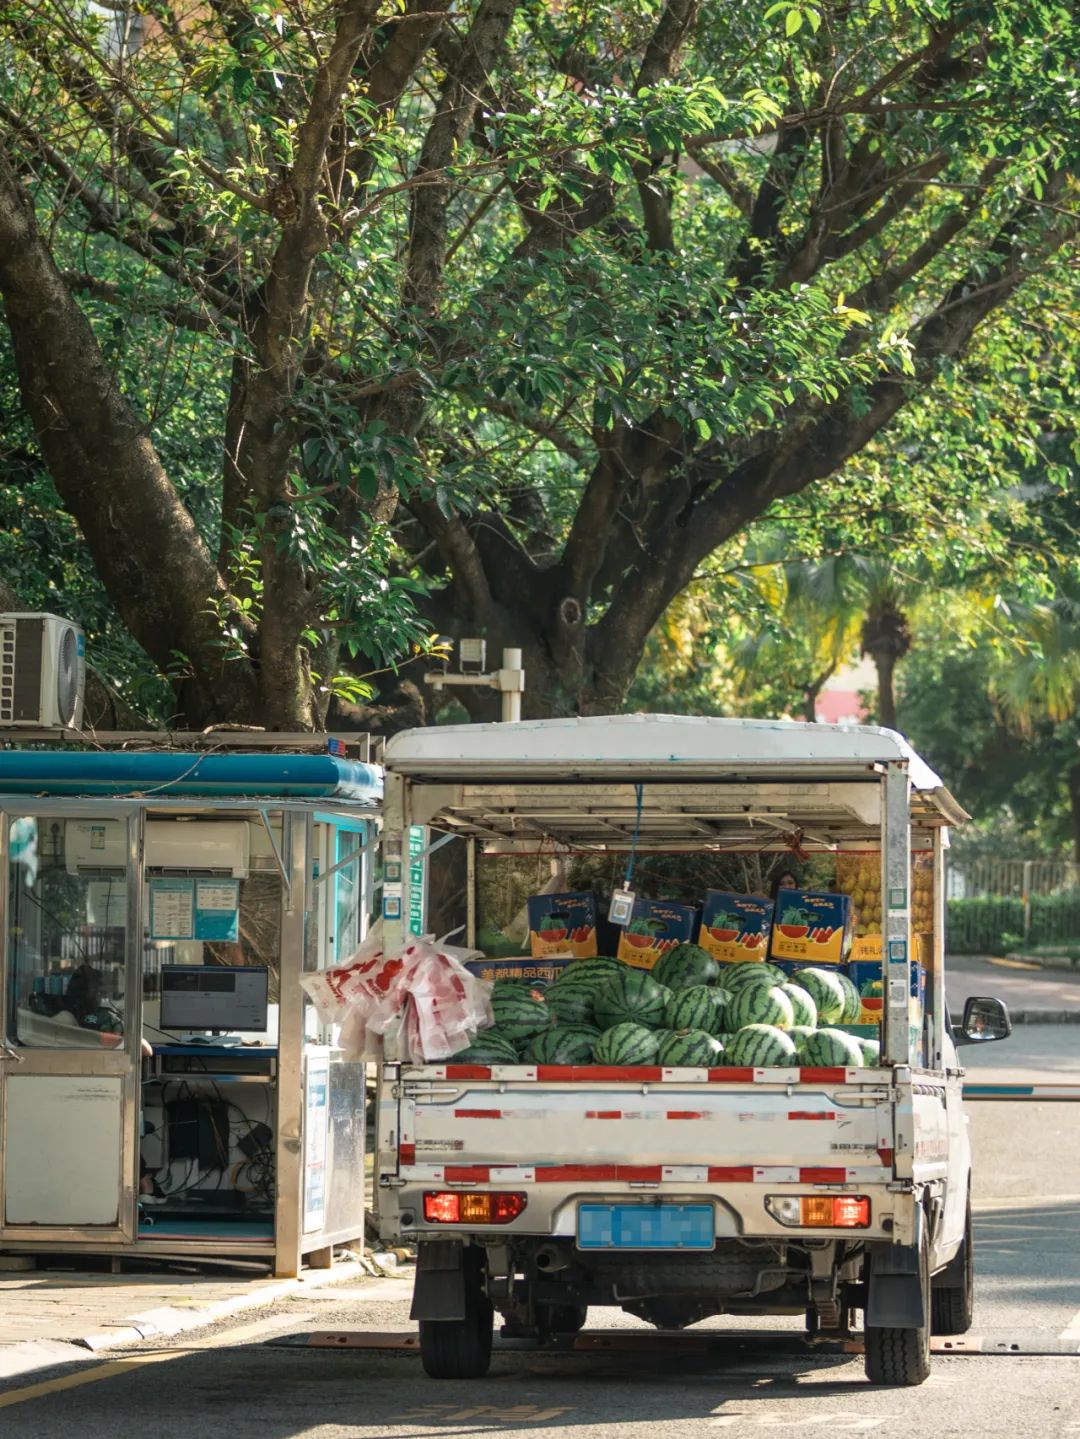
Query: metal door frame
x: 122, y: 1062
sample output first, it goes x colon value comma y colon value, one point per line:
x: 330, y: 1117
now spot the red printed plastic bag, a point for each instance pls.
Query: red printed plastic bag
x: 424, y: 993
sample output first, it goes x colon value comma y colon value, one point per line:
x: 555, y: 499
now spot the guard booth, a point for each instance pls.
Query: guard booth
x: 164, y: 1086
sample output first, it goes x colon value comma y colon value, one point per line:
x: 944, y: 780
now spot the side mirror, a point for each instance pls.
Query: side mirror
x: 984, y: 1019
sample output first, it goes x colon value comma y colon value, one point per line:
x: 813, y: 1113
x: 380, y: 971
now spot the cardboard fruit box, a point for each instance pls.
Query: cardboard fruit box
x: 865, y: 975
x: 813, y: 928
x: 735, y: 927
x: 562, y: 924
x: 656, y: 925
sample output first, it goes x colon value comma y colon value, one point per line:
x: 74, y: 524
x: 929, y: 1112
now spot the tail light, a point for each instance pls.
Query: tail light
x: 449, y: 1206
x: 820, y: 1211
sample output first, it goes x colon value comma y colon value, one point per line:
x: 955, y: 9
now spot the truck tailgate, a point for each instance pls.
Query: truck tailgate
x: 471, y: 1124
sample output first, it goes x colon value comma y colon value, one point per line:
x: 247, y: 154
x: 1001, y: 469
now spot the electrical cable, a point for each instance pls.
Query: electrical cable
x: 639, y: 790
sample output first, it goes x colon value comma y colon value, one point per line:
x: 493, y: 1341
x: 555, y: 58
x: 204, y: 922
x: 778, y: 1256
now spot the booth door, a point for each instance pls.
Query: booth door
x: 69, y: 1057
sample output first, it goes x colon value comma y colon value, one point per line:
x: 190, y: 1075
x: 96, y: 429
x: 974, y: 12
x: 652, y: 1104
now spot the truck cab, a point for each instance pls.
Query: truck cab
x: 682, y: 1191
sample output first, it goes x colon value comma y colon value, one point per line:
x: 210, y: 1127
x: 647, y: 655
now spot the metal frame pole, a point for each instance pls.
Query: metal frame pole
x: 896, y: 907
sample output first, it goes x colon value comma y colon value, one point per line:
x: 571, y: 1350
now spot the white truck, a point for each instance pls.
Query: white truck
x: 678, y: 1194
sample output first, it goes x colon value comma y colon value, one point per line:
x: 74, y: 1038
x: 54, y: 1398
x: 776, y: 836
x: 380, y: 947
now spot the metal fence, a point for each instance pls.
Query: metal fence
x: 995, y: 905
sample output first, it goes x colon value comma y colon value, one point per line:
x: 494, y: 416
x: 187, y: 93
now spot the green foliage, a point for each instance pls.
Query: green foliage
x: 994, y: 924
x: 708, y: 252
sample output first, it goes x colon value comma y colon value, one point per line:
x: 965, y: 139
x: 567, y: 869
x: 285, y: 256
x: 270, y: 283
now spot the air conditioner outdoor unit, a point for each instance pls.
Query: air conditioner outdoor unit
x: 42, y: 672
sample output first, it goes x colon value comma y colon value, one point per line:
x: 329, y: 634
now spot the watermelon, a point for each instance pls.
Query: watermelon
x: 594, y: 970
x: 825, y: 989
x: 626, y: 1044
x: 519, y: 1016
x: 802, y: 1003
x: 722, y: 998
x: 692, y: 1048
x: 832, y: 1048
x: 759, y: 1045
x: 760, y: 1004
x: 504, y: 988
x: 686, y: 966
x: 852, y: 1001
x: 631, y: 996
x: 489, y: 1047
x: 799, y: 1032
x: 871, y: 1049
x: 749, y: 971
x: 564, y: 1044
x: 571, y: 1003
x: 694, y: 1008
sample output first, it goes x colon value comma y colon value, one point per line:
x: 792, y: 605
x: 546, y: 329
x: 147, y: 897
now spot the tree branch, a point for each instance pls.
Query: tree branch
x: 147, y: 549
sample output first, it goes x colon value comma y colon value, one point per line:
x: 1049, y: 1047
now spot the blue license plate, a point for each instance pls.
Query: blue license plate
x: 646, y: 1226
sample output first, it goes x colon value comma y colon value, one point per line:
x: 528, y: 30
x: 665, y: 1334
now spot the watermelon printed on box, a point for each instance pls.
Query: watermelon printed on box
x: 735, y: 927
x: 656, y: 926
x: 865, y: 974
x: 811, y: 927
x: 562, y: 924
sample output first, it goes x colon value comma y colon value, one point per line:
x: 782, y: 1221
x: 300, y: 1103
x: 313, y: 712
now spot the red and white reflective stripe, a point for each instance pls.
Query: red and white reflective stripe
x: 810, y: 1114
x: 647, y: 1074
x: 478, y: 1114
x: 619, y: 1173
x: 638, y: 1174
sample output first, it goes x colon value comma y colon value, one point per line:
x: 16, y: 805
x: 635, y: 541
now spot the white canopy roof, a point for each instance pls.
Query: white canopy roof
x: 667, y: 750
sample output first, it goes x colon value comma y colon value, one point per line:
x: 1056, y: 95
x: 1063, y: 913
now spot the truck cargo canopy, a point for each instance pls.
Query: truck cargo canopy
x: 705, y: 782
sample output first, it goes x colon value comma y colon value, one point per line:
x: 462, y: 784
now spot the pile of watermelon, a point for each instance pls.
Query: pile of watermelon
x: 689, y: 1011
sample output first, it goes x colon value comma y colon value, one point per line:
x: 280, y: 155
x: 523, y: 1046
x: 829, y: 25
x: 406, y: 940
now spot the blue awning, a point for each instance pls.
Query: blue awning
x: 122, y: 774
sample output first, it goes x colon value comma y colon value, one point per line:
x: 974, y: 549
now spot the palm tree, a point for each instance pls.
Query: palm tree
x: 1042, y: 678
x: 823, y: 612
x: 889, y: 594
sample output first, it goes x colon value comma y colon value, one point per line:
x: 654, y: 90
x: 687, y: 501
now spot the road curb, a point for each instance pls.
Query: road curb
x: 1045, y: 1016
x: 34, y: 1354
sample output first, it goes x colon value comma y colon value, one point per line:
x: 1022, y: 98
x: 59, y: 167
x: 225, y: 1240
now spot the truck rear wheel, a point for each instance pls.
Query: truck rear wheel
x: 461, y: 1348
x: 952, y: 1299
x: 901, y: 1357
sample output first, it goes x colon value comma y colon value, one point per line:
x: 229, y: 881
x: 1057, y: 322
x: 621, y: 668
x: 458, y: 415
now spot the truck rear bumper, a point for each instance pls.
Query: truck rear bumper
x: 740, y: 1210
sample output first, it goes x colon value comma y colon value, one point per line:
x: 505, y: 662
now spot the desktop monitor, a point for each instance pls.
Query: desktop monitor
x: 210, y: 996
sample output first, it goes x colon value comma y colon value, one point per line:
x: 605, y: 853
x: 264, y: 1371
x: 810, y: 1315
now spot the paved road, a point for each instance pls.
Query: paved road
x: 1020, y: 987
x: 252, y: 1381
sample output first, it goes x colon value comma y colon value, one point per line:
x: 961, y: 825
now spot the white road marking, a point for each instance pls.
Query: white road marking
x: 1072, y: 1329
x: 845, y: 1422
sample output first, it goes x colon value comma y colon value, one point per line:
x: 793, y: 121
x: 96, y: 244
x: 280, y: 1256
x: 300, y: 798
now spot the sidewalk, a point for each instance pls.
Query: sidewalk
x: 50, y: 1317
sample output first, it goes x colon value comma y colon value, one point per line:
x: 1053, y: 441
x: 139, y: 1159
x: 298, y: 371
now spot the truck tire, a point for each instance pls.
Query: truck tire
x: 901, y: 1357
x: 952, y: 1298
x: 461, y: 1348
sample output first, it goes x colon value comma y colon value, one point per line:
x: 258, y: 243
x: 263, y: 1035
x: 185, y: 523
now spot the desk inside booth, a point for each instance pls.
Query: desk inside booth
x: 165, y: 1087
x: 207, y: 1151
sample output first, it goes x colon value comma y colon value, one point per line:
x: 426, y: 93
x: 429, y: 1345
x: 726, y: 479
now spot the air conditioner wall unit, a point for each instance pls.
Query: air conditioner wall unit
x: 42, y: 672
x: 200, y: 845
x: 93, y: 844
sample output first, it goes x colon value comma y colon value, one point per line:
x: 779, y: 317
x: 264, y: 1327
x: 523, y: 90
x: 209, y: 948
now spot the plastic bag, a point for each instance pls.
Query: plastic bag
x: 424, y: 993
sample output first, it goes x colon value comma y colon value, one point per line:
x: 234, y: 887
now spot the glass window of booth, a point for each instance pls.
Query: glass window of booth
x: 212, y: 899
x: 66, y: 927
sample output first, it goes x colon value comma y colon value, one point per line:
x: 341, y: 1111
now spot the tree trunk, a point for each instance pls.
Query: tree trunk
x: 885, y: 663
x: 811, y: 690
x: 1074, y: 808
